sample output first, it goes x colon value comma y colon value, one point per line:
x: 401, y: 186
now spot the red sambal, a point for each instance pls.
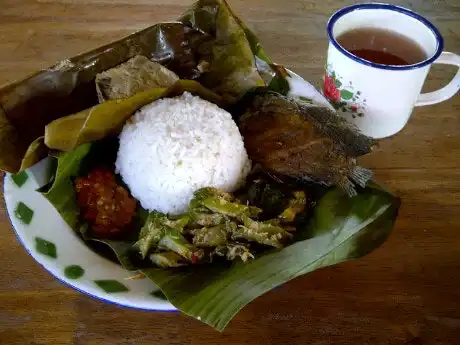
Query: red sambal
x: 104, y: 204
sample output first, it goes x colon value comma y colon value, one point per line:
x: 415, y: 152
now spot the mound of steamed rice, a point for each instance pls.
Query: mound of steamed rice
x: 174, y: 146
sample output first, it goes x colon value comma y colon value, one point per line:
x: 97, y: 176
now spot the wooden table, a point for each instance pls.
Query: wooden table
x: 406, y: 292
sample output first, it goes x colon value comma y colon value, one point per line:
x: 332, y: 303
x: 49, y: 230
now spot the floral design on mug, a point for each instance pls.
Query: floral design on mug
x: 330, y: 88
x: 344, y: 99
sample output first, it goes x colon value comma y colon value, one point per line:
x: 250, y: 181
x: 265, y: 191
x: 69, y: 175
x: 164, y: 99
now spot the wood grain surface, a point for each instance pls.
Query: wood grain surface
x: 406, y: 292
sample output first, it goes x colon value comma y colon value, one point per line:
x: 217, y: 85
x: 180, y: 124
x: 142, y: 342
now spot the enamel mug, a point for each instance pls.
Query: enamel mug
x: 378, y: 98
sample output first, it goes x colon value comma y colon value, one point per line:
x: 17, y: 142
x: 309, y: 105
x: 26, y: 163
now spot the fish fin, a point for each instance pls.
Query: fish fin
x: 361, y: 176
x: 348, y: 187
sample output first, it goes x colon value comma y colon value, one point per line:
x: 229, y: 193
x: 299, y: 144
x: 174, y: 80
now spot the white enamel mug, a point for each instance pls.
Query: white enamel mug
x: 379, y: 98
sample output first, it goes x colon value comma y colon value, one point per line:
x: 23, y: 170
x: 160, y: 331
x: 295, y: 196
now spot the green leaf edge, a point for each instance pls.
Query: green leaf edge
x: 223, y: 286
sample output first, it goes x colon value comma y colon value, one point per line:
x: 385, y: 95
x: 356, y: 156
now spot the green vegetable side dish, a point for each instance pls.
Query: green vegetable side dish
x: 228, y: 248
x: 167, y: 238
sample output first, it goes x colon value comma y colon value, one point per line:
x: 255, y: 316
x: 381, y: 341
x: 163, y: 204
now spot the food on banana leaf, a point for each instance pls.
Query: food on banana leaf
x: 172, y: 196
x: 174, y: 241
x: 163, y: 235
x: 296, y: 205
x: 169, y: 152
x: 167, y: 259
x: 305, y: 141
x: 273, y: 201
x: 155, y: 228
x: 206, y: 219
x: 104, y: 204
x: 234, y: 250
x: 136, y: 75
x: 213, y: 236
x: 264, y: 233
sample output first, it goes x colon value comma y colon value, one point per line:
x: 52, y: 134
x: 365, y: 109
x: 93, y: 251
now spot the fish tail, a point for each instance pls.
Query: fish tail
x: 360, y: 176
x: 348, y: 187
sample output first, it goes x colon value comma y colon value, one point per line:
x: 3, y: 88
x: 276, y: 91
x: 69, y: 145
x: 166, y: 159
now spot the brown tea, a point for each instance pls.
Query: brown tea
x: 382, y: 46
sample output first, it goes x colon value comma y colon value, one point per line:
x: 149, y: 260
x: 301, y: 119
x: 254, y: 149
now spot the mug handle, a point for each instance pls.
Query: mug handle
x: 447, y: 91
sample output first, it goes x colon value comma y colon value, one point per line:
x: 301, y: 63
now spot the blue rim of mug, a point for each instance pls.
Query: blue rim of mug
x: 376, y: 5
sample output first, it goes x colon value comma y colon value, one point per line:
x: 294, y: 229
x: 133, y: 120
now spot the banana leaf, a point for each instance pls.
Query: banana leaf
x: 231, y: 64
x: 36, y: 151
x: 208, y: 44
x: 339, y: 229
x: 60, y: 192
x: 12, y: 148
x: 106, y: 119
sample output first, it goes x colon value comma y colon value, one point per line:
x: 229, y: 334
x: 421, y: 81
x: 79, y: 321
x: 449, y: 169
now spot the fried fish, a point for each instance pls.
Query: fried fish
x: 305, y: 141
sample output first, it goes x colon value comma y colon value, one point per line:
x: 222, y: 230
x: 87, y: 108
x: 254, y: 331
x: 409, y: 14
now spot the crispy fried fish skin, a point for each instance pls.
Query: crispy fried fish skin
x: 305, y: 141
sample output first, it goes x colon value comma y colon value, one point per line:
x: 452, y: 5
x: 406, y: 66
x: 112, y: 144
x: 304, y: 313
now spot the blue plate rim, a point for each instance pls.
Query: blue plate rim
x: 63, y: 282
x: 377, y: 5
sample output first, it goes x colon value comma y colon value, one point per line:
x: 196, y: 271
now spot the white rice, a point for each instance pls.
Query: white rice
x: 174, y: 146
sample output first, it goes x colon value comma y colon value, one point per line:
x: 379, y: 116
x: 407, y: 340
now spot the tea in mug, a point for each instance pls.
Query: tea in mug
x: 382, y: 46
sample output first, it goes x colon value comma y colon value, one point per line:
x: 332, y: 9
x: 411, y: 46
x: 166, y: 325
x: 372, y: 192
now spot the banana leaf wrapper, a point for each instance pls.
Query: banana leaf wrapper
x: 209, y: 44
x: 107, y: 119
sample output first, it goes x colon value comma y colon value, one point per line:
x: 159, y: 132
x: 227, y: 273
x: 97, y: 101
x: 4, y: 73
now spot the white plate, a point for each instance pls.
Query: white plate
x: 55, y: 246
